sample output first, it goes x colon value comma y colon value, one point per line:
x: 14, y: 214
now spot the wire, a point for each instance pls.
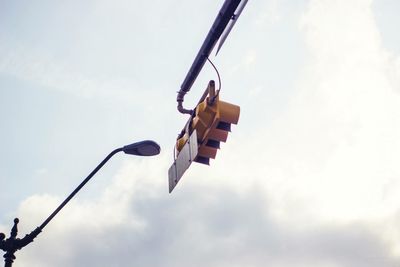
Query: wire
x: 219, y: 78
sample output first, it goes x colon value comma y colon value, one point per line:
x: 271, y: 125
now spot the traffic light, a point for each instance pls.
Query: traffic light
x: 212, y: 122
x: 200, y: 139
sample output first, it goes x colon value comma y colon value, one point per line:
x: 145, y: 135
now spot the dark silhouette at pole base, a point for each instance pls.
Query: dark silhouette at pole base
x: 12, y: 244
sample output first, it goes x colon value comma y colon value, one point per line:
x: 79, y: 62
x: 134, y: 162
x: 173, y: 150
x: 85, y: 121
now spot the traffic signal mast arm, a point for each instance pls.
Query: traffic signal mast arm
x: 225, y: 14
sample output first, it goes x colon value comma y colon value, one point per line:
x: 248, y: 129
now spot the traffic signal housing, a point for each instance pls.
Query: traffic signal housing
x: 212, y: 120
x: 202, y: 135
x: 213, y: 123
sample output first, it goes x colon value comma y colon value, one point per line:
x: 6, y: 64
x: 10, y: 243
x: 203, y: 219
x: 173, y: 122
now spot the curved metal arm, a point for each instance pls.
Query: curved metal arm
x: 79, y: 187
x: 12, y: 244
x: 182, y: 110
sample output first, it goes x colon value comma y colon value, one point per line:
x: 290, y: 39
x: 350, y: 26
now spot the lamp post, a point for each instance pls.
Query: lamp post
x: 12, y: 244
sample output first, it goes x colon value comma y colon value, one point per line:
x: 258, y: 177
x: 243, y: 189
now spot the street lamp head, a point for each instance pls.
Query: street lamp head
x: 143, y: 148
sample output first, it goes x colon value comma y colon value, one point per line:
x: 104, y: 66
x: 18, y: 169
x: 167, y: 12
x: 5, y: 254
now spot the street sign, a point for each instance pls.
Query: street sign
x: 182, y: 162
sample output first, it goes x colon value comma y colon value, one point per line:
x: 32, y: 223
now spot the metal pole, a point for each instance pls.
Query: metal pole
x: 12, y: 244
x: 79, y: 188
x: 221, y: 21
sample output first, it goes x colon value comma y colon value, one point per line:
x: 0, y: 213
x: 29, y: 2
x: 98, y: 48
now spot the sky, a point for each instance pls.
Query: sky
x: 308, y: 177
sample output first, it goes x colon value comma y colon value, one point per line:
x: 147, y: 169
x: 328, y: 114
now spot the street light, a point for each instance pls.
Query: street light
x: 143, y: 148
x: 12, y: 244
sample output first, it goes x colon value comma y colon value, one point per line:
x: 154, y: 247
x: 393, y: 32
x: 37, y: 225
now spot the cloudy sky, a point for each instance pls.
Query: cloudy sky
x: 309, y: 177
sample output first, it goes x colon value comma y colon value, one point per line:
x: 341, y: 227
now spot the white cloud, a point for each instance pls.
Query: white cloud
x: 332, y: 157
x: 136, y: 222
x: 345, y: 115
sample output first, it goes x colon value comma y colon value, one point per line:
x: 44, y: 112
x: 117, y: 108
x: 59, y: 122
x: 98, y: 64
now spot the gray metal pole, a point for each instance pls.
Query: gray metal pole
x: 12, y: 244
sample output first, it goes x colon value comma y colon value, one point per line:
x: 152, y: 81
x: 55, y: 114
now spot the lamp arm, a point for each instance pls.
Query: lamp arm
x: 79, y: 187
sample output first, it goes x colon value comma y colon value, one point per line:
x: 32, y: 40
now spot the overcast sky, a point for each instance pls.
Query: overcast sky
x: 309, y: 177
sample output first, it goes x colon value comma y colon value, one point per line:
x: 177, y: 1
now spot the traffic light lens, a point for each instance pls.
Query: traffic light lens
x: 224, y: 126
x: 202, y: 160
x: 213, y: 143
